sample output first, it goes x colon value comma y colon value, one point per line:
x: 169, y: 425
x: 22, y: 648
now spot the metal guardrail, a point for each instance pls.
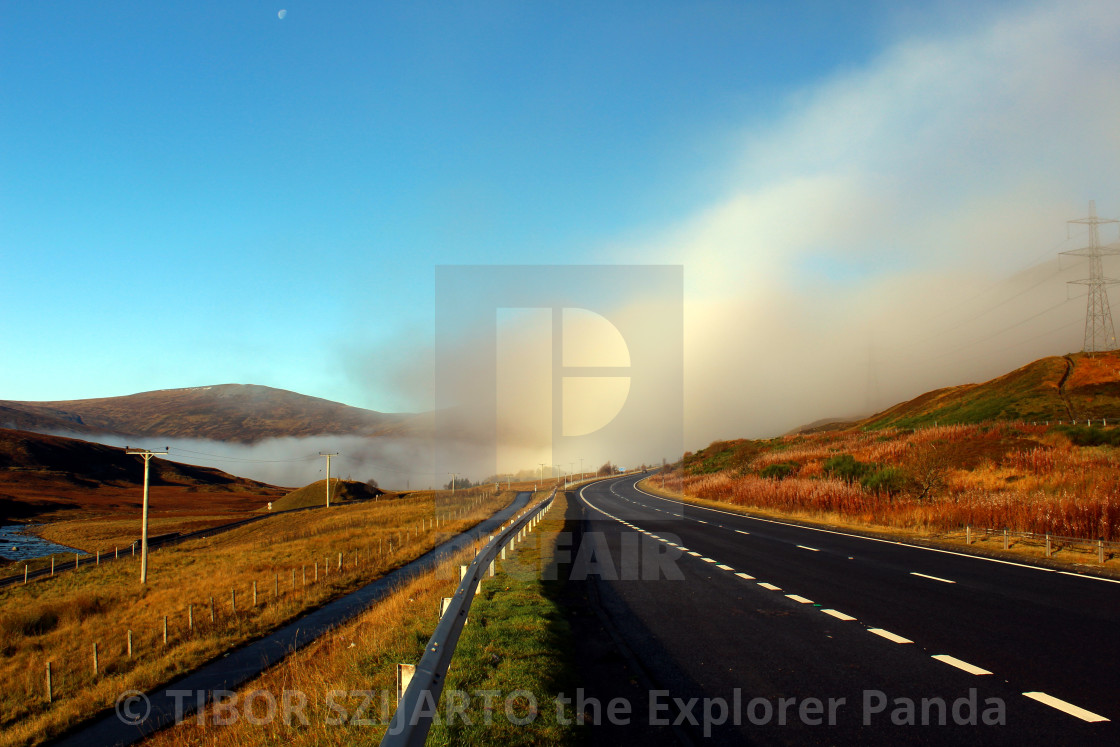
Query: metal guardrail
x: 418, y: 704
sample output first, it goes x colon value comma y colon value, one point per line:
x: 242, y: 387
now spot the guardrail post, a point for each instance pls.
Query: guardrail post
x: 404, y: 676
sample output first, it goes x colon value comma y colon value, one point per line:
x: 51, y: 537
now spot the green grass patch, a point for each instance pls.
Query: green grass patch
x: 517, y: 642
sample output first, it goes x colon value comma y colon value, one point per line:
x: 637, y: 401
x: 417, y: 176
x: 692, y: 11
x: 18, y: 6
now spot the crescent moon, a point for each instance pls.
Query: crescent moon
x: 281, y: 14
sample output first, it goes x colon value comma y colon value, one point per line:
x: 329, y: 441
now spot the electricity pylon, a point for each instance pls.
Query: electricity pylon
x: 1099, y: 333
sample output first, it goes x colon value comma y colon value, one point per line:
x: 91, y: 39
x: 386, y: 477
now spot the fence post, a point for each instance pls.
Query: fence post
x: 130, y: 644
x: 116, y: 553
x: 50, y: 687
x: 1100, y: 550
x: 316, y: 570
x: 52, y: 565
x: 233, y: 601
x: 276, y: 587
x: 25, y: 574
x: 75, y: 561
x: 98, y: 557
x: 95, y: 658
x: 211, y: 609
x: 1006, y: 540
x: 165, y: 630
x: 968, y: 535
x: 254, y: 593
x: 1047, y: 544
x: 190, y: 618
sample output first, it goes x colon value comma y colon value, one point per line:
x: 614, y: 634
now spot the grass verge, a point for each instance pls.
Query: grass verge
x: 517, y: 649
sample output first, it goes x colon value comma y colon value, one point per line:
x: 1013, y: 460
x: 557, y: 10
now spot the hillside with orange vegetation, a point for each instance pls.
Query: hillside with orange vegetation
x: 1002, y: 454
x: 1029, y: 478
x: 1074, y: 387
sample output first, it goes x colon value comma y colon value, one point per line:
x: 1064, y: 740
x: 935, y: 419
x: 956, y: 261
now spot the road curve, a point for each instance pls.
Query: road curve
x: 769, y: 618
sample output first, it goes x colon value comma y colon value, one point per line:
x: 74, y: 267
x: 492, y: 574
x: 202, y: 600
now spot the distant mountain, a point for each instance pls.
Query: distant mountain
x: 228, y: 412
x: 1071, y: 387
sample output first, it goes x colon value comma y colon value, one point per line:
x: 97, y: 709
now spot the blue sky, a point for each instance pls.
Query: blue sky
x: 200, y: 193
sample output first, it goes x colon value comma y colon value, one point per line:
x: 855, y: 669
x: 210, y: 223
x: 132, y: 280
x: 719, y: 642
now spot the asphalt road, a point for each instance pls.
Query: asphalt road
x: 843, y: 637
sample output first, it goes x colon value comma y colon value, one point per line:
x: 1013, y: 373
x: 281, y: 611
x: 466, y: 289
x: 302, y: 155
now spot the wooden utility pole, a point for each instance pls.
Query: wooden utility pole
x: 328, y: 456
x: 147, y: 455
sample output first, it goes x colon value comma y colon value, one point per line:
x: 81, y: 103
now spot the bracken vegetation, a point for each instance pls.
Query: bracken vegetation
x: 1027, y: 478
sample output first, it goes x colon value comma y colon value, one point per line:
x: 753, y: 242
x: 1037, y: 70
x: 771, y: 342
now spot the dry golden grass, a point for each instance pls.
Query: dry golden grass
x: 359, y: 656
x: 58, y: 620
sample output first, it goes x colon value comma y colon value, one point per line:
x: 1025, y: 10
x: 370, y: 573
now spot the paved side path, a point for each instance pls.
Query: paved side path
x: 241, y: 665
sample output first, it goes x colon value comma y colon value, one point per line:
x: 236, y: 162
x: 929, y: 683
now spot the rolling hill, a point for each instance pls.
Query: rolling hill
x: 1071, y: 387
x: 315, y: 494
x: 42, y: 474
x: 228, y: 412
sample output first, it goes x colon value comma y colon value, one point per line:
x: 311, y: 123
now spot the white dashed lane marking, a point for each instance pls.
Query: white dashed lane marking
x: 803, y: 547
x: 838, y: 615
x: 932, y: 578
x: 771, y: 587
x: 796, y: 598
x: 1069, y: 708
x: 962, y: 665
x: 707, y: 560
x: 725, y: 567
x: 693, y: 553
x: 745, y: 576
x: 889, y: 635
